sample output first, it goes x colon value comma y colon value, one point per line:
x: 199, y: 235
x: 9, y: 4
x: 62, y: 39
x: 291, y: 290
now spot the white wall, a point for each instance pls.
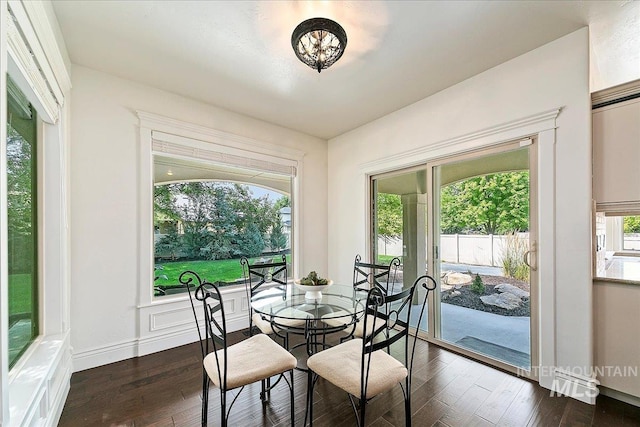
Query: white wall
x: 104, y: 212
x: 553, y: 76
x: 615, y: 46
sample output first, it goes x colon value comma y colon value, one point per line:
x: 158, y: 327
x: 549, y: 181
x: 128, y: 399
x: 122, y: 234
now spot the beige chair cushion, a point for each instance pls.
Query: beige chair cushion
x: 336, y: 322
x: 340, y: 365
x: 293, y: 318
x: 251, y: 360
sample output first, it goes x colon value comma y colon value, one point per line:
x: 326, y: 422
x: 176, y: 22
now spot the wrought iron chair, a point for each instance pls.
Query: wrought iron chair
x: 361, y: 366
x: 273, y: 274
x: 231, y: 367
x: 365, y: 277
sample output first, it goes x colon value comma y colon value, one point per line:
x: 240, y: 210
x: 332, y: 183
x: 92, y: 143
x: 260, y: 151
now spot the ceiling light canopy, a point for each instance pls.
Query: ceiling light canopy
x: 319, y: 42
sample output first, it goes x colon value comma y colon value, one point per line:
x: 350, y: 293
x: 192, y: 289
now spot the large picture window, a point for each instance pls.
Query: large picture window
x: 22, y: 237
x: 207, y: 215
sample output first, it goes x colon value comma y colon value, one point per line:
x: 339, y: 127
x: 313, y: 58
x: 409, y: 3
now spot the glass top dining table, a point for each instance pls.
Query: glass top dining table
x: 292, y: 310
x: 293, y: 303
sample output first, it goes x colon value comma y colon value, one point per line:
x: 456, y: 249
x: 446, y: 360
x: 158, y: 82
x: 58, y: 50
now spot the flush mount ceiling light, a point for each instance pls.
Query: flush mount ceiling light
x: 319, y: 42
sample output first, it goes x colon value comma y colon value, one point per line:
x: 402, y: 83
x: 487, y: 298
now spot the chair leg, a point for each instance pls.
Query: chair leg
x: 407, y: 403
x: 407, y: 412
x: 223, y: 408
x: 363, y: 408
x: 309, y: 409
x: 293, y: 409
x: 205, y: 398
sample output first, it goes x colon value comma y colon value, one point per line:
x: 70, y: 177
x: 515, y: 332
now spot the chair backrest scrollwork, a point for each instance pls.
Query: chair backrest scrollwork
x: 263, y: 273
x: 214, y: 321
x: 368, y: 275
x: 395, y: 310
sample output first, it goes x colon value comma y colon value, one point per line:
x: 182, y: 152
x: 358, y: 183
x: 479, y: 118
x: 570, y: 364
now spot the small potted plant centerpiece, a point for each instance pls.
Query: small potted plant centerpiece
x: 313, y: 285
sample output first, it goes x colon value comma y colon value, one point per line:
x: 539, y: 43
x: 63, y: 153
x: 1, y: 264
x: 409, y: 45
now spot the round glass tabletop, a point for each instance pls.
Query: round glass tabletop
x: 290, y: 302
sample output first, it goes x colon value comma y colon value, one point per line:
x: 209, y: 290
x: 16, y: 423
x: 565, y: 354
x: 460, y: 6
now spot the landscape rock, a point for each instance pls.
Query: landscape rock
x: 507, y: 288
x: 504, y: 300
x: 456, y: 293
x: 454, y: 278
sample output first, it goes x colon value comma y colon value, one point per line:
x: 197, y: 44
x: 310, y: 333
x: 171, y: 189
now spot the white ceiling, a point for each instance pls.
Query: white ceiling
x: 238, y: 55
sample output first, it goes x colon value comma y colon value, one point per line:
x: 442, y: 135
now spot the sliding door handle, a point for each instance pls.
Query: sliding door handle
x: 527, y: 257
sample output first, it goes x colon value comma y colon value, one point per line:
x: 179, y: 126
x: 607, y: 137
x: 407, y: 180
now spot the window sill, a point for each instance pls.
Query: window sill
x: 36, y: 381
x: 614, y: 280
x: 621, y: 269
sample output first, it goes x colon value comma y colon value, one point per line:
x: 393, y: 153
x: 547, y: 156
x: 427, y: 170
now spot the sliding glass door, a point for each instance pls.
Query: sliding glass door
x: 483, y: 245
x: 399, y: 208
x: 468, y: 222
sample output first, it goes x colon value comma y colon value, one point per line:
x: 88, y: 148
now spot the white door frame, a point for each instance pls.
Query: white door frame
x: 434, y: 318
x: 542, y: 126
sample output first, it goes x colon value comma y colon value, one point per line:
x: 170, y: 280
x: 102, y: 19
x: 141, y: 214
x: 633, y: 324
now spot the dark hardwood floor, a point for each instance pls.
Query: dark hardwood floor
x: 163, y: 389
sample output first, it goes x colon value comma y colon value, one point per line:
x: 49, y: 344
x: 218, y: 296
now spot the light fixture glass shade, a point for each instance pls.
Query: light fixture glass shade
x: 319, y: 42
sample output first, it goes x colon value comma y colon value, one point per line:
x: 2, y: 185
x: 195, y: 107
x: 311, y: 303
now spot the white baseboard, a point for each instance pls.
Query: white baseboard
x: 104, y: 355
x: 619, y: 395
x: 156, y: 343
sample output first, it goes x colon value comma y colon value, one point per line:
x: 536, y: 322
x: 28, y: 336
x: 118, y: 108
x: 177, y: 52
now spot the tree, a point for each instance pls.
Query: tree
x: 251, y: 243
x: 282, y: 202
x: 249, y: 209
x: 217, y: 219
x: 389, y: 216
x: 277, y: 239
x: 169, y: 246
x: 205, y: 214
x: 21, y: 216
x: 164, y: 203
x: 631, y: 224
x: 488, y: 204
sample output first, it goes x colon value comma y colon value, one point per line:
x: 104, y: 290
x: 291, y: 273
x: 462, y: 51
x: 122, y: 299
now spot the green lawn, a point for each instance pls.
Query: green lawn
x: 224, y: 270
x: 19, y: 293
x: 386, y: 259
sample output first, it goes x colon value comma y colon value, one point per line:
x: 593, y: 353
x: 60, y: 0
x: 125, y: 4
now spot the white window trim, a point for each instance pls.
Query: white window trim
x: 168, y: 322
x: 29, y: 66
x: 34, y: 391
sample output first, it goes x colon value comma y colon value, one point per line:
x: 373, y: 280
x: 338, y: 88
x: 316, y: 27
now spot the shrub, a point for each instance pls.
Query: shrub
x: 513, y: 264
x: 477, y: 286
x: 169, y: 246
